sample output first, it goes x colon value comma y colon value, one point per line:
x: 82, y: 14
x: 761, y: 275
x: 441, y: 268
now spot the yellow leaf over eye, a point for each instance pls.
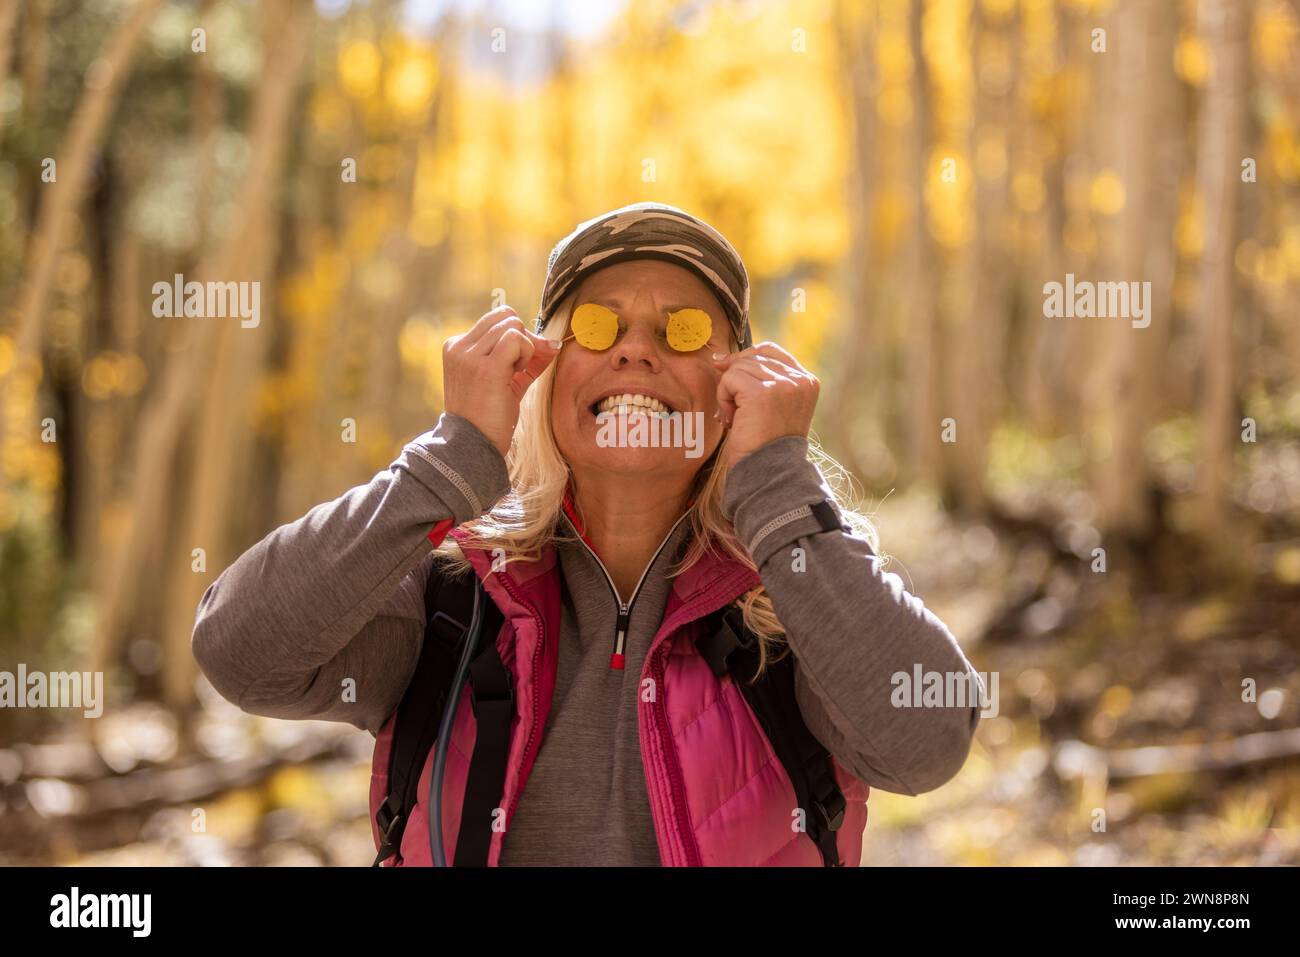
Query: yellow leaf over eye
x: 594, y: 326
x: 688, y: 329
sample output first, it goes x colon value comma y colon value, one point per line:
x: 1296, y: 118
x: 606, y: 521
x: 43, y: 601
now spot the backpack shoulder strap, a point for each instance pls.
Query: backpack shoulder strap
x: 448, y: 603
x: 492, y: 697
x: 732, y: 649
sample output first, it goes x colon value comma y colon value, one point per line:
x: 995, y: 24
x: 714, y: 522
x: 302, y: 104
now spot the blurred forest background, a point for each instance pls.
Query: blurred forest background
x: 902, y: 178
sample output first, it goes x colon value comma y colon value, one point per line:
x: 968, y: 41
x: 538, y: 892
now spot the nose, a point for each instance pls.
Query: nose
x: 636, y: 348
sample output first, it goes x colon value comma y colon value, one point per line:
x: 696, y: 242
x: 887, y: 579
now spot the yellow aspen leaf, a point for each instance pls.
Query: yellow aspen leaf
x: 688, y: 329
x: 594, y: 326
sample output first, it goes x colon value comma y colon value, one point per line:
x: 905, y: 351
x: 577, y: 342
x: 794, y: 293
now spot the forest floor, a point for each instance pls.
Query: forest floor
x: 1090, y: 667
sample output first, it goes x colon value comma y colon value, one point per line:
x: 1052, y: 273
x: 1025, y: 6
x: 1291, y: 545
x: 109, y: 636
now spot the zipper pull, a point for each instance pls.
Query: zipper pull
x: 616, y: 659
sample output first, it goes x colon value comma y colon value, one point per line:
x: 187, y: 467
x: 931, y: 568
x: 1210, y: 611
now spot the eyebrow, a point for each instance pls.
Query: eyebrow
x: 615, y: 303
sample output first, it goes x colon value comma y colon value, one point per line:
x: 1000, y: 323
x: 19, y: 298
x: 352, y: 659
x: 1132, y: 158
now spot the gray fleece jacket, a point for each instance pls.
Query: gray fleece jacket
x: 338, y: 594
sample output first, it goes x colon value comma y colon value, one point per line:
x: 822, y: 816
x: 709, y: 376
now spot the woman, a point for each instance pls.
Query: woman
x: 606, y: 556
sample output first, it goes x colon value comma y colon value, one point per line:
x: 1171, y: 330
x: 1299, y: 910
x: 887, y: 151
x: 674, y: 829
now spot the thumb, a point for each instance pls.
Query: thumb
x: 530, y: 371
x: 543, y: 355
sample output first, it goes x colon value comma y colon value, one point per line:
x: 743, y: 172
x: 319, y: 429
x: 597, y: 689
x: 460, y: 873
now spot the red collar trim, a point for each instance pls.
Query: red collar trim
x: 571, y: 510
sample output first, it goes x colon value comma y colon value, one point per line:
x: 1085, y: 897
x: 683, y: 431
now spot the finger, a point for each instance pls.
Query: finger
x: 518, y: 348
x: 793, y: 374
x: 735, y: 382
x: 789, y: 366
x: 774, y: 351
x: 726, y: 410
x: 490, y: 339
x: 544, y: 348
x: 487, y: 322
x: 780, y: 366
x: 771, y: 370
x: 763, y: 351
x: 725, y: 394
x: 541, y: 344
x: 523, y: 381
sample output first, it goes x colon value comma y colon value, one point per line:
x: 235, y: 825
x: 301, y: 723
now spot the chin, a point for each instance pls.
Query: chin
x: 638, y: 461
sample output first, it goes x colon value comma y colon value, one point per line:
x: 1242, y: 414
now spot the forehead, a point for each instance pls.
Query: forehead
x: 663, y: 282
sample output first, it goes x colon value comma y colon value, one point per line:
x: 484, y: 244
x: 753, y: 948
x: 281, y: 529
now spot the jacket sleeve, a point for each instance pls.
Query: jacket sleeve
x: 324, y: 617
x: 852, y: 628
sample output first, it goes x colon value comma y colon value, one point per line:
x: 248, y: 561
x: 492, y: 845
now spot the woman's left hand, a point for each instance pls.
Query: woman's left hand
x: 764, y: 394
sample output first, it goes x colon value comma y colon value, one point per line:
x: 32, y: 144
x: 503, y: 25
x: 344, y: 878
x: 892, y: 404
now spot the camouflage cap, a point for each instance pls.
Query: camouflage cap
x: 649, y: 231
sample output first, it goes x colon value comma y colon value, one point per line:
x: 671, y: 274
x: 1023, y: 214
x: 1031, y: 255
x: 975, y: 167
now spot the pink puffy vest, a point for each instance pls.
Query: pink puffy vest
x: 718, y: 794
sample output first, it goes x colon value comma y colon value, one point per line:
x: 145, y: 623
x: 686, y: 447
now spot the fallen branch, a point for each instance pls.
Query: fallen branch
x: 110, y: 811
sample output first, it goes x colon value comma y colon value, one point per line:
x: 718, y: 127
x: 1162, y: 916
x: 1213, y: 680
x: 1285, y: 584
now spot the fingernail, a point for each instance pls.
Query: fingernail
x: 717, y: 356
x: 717, y: 414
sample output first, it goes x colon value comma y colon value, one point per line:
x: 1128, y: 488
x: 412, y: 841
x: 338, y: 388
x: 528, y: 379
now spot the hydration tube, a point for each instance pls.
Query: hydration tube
x: 468, y: 650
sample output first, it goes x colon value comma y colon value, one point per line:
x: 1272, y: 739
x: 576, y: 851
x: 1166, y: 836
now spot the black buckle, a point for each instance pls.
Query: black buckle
x: 387, y: 821
x: 735, y: 620
x: 448, y: 630
x: 490, y: 681
x: 832, y: 821
x: 476, y: 698
x: 715, y: 646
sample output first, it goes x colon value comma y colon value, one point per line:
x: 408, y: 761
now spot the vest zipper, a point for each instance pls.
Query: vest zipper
x: 621, y: 623
x: 537, y: 703
x: 676, y: 787
x: 616, y: 660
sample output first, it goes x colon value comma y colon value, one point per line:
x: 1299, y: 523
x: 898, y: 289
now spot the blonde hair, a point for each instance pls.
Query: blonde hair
x: 527, y: 519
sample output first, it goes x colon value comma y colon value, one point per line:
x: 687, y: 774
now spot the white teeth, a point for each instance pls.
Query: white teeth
x: 630, y: 403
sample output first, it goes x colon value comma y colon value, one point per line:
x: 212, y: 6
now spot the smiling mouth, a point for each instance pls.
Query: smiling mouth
x: 631, y: 403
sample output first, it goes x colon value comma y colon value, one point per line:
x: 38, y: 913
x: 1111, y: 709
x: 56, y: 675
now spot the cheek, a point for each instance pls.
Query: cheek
x: 701, y: 381
x: 568, y: 377
x: 706, y: 392
x: 572, y: 371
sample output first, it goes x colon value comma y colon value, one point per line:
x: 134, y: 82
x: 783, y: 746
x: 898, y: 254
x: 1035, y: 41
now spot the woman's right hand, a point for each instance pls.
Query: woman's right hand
x: 486, y: 372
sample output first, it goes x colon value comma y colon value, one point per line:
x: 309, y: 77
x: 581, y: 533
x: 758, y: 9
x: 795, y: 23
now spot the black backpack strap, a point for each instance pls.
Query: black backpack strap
x: 448, y: 604
x: 493, y: 698
x: 730, y: 649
